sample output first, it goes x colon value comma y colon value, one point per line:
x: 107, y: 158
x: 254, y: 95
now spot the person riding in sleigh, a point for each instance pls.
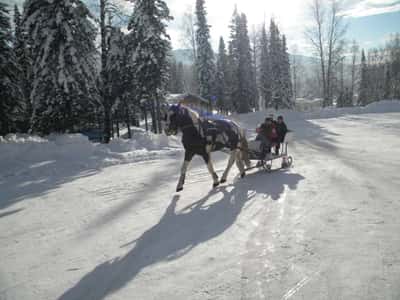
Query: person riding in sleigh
x: 271, y: 133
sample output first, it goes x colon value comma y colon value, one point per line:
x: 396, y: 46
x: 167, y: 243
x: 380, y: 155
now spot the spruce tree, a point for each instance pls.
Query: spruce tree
x: 363, y: 91
x: 233, y: 61
x: 265, y: 70
x: 254, y: 45
x: 114, y: 85
x: 175, y: 83
x: 24, y: 62
x: 222, y: 75
x: 148, y: 48
x: 205, y: 55
x: 286, y: 82
x: 173, y: 71
x: 240, y: 76
x: 245, y: 93
x: 275, y: 50
x: 348, y: 97
x: 388, y: 83
x: 10, y: 93
x: 180, y: 86
x: 64, y: 67
x: 395, y: 66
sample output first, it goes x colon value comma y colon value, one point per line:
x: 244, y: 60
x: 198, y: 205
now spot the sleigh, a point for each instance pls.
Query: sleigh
x: 256, y: 153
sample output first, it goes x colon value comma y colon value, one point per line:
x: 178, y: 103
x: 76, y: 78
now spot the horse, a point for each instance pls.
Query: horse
x: 202, y: 136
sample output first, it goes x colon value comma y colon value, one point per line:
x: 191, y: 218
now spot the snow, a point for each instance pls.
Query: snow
x: 89, y: 221
x: 252, y: 120
x: 76, y: 152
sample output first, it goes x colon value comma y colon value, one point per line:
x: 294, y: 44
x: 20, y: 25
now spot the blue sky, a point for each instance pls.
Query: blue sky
x: 371, y: 22
x: 373, y: 31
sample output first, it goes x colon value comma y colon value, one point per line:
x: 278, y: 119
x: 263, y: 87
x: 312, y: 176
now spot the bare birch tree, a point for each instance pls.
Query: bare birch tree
x: 188, y: 33
x: 355, y: 49
x: 326, y: 36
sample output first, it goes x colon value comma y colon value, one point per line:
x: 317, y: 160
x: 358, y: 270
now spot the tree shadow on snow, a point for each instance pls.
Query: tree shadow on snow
x: 315, y: 136
x: 41, y: 177
x: 36, y: 181
x: 178, y: 232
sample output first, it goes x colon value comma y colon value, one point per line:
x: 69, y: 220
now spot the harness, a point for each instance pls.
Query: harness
x: 215, y: 133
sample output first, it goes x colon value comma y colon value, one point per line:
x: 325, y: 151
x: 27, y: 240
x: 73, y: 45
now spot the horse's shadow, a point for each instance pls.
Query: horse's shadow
x: 177, y: 233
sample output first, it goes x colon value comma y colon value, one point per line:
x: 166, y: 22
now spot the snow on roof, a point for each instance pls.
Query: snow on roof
x: 175, y: 98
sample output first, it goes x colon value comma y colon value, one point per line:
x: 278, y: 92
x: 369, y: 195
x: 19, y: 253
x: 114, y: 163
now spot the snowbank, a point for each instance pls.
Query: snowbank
x: 252, y: 120
x: 19, y: 153
x: 383, y: 106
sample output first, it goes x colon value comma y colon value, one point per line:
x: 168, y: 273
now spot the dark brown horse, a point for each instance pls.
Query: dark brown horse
x: 203, y: 136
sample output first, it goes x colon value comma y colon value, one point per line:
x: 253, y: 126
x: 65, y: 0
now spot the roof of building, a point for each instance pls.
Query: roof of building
x: 176, y: 98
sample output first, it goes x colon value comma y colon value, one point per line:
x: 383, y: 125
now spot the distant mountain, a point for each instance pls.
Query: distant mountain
x: 185, y: 56
x: 306, y: 60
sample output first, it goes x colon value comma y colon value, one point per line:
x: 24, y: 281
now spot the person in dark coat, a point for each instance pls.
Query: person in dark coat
x: 281, y: 130
x: 268, y: 135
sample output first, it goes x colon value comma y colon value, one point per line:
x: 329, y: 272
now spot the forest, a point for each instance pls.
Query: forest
x: 66, y: 68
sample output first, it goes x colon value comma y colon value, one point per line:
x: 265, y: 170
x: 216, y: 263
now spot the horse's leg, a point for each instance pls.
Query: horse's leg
x: 244, y: 149
x: 207, y: 159
x: 239, y: 163
x: 188, y: 157
x: 232, y: 158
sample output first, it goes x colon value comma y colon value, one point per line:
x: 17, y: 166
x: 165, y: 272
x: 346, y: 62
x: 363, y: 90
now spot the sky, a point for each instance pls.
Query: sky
x: 371, y: 22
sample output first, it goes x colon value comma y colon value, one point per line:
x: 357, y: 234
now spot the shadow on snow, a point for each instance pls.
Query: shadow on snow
x: 178, y: 232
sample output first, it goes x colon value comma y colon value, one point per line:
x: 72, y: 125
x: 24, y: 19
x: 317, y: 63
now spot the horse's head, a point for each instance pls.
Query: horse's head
x: 171, y: 116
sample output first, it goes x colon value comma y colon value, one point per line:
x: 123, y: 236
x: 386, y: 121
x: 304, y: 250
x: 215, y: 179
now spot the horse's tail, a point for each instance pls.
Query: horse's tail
x: 244, y: 148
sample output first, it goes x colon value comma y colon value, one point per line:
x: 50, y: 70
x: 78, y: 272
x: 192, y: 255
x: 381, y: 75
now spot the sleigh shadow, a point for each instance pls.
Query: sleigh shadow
x: 178, y: 232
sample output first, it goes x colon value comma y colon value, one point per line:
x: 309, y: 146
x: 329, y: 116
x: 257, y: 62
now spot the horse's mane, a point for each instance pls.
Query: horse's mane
x: 196, y: 117
x: 191, y: 111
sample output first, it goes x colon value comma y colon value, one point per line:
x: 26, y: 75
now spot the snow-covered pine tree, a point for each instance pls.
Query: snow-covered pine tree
x: 245, y: 93
x: 233, y: 62
x: 114, y: 83
x: 348, y: 96
x: 148, y: 48
x: 395, y: 66
x: 221, y: 78
x: 286, y: 81
x: 116, y: 88
x: 265, y: 70
x: 24, y: 62
x: 180, y: 86
x: 116, y: 58
x: 175, y: 83
x: 205, y: 55
x: 62, y: 36
x: 275, y: 51
x: 254, y: 45
x: 388, y: 83
x: 363, y: 89
x: 10, y: 92
x: 173, y: 70
x: 376, y: 75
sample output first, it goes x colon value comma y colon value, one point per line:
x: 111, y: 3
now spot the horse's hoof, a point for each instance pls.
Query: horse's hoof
x: 179, y: 189
x: 215, y: 184
x: 243, y: 174
x: 222, y: 181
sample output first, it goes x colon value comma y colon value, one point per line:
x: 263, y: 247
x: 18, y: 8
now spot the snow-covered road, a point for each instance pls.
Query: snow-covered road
x: 326, y: 229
